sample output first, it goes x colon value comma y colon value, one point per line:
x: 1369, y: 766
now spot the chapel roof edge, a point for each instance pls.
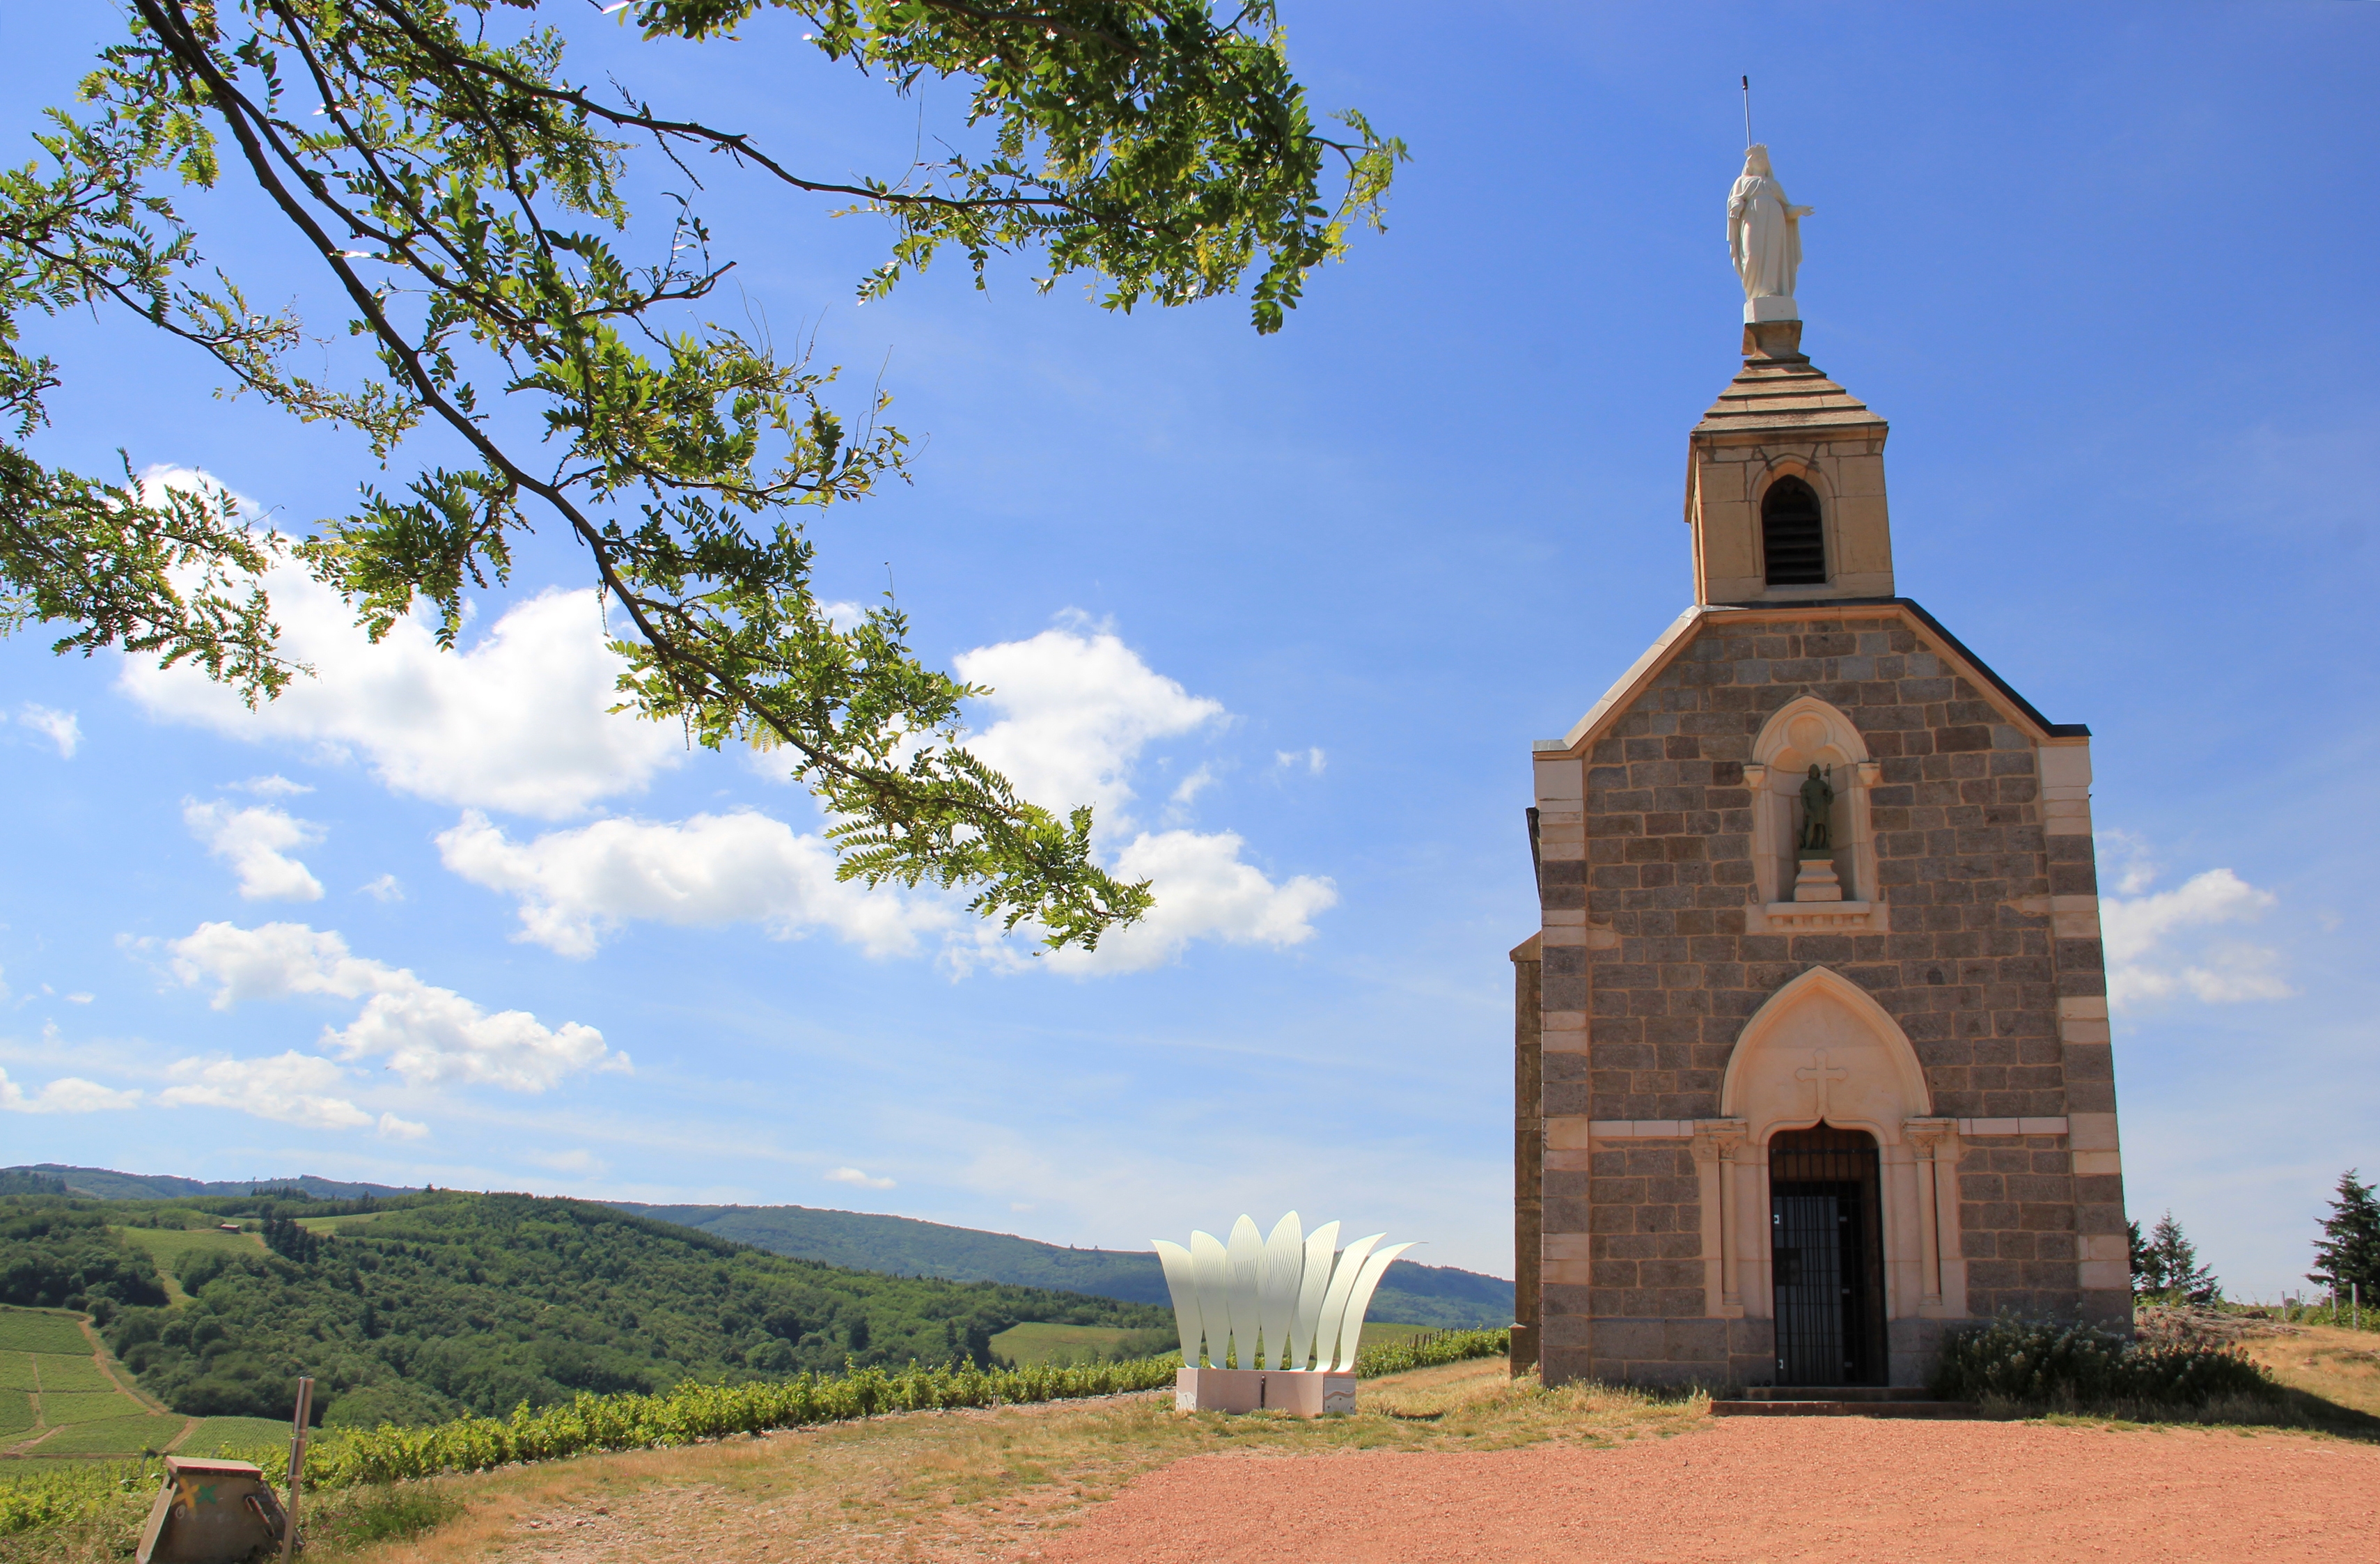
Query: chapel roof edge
x: 1680, y: 630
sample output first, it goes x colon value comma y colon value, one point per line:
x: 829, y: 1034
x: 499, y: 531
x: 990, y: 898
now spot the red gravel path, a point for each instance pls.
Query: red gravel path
x: 1763, y: 1488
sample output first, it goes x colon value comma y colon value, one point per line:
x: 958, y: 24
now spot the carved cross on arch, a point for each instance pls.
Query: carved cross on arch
x: 1822, y: 1071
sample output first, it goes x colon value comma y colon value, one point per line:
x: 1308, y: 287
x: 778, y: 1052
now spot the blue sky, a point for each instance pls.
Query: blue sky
x: 1290, y: 610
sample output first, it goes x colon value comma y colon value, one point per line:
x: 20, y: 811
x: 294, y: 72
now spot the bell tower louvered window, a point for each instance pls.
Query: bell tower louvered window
x: 1793, y: 536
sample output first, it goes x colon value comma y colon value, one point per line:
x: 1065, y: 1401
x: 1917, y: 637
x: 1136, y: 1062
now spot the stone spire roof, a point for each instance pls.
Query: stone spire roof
x: 1779, y: 389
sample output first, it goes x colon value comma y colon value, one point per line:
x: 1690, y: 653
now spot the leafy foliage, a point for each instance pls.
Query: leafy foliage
x: 2165, y: 1265
x: 17, y: 1180
x: 483, y: 1303
x: 2349, y: 1251
x: 53, y: 1255
x: 464, y: 193
x: 2049, y: 1364
x: 285, y: 1237
x: 1431, y: 1349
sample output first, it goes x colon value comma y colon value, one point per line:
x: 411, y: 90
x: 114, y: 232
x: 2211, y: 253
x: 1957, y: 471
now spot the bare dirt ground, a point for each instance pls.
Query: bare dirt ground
x: 1763, y: 1488
x: 1452, y: 1463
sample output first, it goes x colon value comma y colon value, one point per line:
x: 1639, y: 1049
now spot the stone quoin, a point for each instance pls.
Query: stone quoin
x: 1785, y: 1114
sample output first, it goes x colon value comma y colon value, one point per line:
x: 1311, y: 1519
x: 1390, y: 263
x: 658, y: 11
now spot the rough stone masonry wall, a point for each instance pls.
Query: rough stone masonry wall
x: 1970, y: 976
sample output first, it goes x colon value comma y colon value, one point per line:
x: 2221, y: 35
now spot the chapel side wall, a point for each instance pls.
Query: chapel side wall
x: 1528, y: 1150
x: 1990, y: 963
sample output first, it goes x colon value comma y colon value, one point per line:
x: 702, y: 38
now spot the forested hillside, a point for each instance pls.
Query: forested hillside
x: 455, y: 1301
x: 1439, y: 1296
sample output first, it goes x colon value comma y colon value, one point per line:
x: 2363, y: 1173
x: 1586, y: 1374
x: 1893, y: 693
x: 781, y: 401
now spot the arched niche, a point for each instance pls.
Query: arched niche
x: 1804, y: 733
x: 1821, y: 1048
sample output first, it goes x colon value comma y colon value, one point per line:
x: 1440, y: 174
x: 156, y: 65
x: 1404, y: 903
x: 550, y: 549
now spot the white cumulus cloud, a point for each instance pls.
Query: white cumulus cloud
x: 59, y: 727
x: 1072, y: 710
x: 2157, y: 946
x: 1204, y: 891
x: 426, y: 1034
x: 516, y: 720
x: 253, y: 840
x: 273, y: 786
x: 575, y: 886
x: 854, y: 1176
x: 394, y: 1128
x: 1075, y: 708
x: 67, y: 1093
x: 290, y: 1088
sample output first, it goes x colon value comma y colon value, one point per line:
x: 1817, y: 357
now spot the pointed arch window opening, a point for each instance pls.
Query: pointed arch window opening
x: 1792, y: 534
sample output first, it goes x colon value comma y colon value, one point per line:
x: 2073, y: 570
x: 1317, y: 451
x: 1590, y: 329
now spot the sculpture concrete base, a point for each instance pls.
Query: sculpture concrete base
x: 1818, y: 881
x: 1770, y: 307
x: 1298, y: 1392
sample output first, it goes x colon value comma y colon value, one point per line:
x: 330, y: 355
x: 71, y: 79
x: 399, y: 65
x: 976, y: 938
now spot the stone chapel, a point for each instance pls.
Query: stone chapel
x: 1811, y: 1057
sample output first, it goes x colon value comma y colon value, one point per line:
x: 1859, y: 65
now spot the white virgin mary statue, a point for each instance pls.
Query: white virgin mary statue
x: 1764, y: 239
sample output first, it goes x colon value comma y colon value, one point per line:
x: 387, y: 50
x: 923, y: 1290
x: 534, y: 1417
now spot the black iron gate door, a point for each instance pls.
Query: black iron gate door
x: 1826, y: 1256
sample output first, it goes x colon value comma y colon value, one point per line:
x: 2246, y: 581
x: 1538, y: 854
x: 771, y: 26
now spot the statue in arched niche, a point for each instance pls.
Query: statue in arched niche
x: 1818, y: 812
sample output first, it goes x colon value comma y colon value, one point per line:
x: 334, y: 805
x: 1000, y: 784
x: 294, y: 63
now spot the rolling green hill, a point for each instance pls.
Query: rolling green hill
x: 1439, y: 1296
x: 1442, y: 1297
x: 480, y: 1301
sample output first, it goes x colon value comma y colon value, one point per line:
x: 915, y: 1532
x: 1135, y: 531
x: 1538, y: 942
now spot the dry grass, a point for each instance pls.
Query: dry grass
x: 2337, y: 1366
x: 966, y: 1484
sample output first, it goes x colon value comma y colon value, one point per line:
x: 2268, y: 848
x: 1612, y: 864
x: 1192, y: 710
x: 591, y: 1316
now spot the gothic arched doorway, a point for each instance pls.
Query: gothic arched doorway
x: 1827, y: 1255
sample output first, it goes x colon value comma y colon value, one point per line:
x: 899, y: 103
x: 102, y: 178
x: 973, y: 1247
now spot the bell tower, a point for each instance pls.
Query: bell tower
x: 1785, y: 483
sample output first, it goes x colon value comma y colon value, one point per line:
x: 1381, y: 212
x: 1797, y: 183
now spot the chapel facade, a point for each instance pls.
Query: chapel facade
x: 1811, y: 1052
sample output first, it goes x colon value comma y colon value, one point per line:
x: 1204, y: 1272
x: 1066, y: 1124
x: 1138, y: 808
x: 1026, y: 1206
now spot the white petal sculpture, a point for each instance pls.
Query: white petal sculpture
x: 1253, y: 1313
x: 1352, y: 1334
x: 1213, y: 1272
x: 1182, y: 1281
x: 1320, y: 1247
x: 1246, y: 1251
x: 1284, y: 1264
x: 1334, y: 1302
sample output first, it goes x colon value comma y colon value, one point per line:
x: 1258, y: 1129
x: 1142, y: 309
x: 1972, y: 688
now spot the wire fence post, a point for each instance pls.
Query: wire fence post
x: 297, y: 1464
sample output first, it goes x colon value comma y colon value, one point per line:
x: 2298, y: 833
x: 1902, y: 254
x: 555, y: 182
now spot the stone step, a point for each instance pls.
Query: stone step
x: 1845, y: 1409
x: 1835, y: 1393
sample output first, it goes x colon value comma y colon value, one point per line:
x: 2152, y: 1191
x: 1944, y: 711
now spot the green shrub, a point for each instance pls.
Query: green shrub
x: 1426, y: 1352
x: 690, y: 1412
x: 2036, y: 1363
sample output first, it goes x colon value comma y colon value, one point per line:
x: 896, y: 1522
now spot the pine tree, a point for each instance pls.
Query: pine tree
x: 2168, y: 1265
x: 2348, y: 1255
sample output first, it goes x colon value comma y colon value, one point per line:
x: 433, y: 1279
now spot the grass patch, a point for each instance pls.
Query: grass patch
x: 15, y: 1412
x: 1034, y: 1344
x: 398, y: 1514
x: 1383, y: 1333
x: 65, y: 1410
x: 219, y: 1435
x: 165, y: 1246
x: 114, y: 1435
x: 64, y: 1375
x: 41, y: 1331
x: 17, y: 1372
x: 338, y: 1224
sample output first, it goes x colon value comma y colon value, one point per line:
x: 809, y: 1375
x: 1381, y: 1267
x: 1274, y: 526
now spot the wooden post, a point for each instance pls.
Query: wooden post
x: 297, y: 1464
x: 1529, y: 1151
